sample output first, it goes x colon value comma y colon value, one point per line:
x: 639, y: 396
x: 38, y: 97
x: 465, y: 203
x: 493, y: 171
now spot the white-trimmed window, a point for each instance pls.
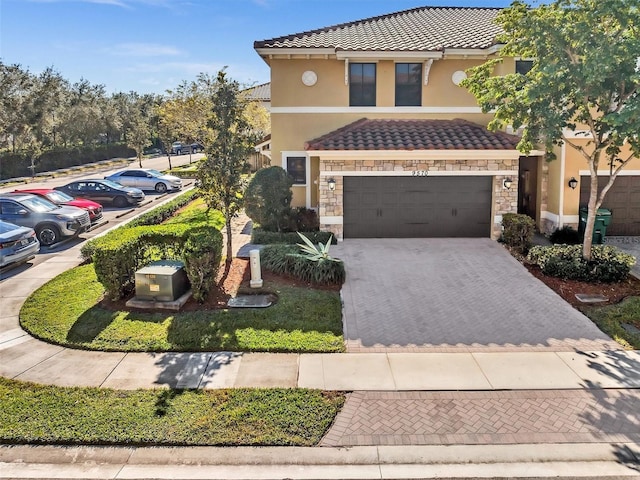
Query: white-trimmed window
x: 296, y: 167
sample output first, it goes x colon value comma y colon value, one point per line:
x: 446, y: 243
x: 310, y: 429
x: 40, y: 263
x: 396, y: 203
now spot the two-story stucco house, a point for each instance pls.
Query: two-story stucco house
x: 370, y: 121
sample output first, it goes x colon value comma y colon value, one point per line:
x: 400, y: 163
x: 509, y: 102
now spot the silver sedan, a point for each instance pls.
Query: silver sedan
x: 146, y: 179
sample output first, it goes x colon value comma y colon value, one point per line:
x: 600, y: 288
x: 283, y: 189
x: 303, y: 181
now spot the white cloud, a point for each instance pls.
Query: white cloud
x: 143, y: 50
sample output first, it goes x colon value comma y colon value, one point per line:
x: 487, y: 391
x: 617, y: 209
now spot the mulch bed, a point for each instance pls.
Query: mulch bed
x: 567, y: 289
x: 228, y: 284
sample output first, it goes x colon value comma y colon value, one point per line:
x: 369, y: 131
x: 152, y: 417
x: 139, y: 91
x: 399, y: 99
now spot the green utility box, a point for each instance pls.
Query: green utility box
x: 603, y: 219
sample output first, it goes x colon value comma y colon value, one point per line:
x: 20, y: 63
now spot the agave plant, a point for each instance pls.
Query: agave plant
x: 317, y: 252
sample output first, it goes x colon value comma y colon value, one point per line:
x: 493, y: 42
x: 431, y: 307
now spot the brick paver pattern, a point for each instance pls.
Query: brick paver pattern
x: 452, y: 295
x: 506, y: 417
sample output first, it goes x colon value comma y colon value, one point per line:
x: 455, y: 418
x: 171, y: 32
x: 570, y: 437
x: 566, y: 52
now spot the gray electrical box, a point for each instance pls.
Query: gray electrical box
x: 163, y: 281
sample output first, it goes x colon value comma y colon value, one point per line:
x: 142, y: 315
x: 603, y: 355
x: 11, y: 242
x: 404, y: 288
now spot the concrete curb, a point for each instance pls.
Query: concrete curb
x: 458, y: 461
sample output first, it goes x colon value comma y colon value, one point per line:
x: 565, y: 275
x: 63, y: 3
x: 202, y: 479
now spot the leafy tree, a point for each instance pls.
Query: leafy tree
x: 585, y: 77
x: 267, y: 200
x: 220, y: 176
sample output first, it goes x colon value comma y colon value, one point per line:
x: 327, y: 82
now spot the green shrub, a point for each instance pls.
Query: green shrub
x: 165, y: 211
x: 518, y: 231
x: 262, y: 237
x: 267, y: 199
x: 302, y: 219
x: 565, y: 235
x: 608, y: 264
x: 17, y: 165
x: 117, y: 256
x: 286, y: 259
x: 202, y: 254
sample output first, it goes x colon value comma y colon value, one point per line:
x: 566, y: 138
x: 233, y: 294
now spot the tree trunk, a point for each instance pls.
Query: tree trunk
x: 591, y: 216
x: 140, y: 160
x: 229, y: 236
x: 169, y: 158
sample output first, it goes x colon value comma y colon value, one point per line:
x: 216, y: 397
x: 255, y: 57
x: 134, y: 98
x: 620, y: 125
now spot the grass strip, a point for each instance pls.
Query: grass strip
x: 33, y: 413
x: 66, y: 311
x: 609, y: 319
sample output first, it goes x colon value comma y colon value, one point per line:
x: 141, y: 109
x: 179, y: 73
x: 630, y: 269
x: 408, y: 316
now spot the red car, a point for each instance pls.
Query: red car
x: 60, y: 198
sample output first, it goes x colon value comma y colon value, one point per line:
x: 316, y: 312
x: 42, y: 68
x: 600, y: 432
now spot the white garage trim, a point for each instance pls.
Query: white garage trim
x: 332, y: 220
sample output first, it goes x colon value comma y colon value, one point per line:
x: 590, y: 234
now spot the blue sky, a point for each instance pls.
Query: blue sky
x: 149, y: 46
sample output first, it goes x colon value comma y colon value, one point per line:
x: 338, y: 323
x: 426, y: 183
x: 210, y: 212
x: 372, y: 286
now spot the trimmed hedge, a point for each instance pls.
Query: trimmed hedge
x: 166, y: 211
x: 288, y: 260
x: 608, y: 264
x: 17, y: 165
x: 518, y: 231
x: 262, y: 237
x: 202, y: 254
x: 117, y: 257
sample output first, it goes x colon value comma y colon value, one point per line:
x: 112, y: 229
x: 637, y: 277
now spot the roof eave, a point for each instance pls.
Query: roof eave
x: 280, y: 52
x: 453, y: 154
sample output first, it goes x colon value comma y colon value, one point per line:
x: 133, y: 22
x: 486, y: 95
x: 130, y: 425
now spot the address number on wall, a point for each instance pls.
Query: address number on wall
x: 420, y: 173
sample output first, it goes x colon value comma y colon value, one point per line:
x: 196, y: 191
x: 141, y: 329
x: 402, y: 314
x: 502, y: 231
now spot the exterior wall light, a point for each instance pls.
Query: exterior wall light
x: 332, y: 184
x: 573, y: 183
x: 507, y: 183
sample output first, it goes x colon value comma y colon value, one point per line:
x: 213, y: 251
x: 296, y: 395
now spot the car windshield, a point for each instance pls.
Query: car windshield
x: 38, y: 204
x: 111, y: 184
x: 59, y: 197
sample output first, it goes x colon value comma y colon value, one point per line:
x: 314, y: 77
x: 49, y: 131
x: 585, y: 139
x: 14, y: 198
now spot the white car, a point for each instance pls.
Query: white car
x: 146, y: 179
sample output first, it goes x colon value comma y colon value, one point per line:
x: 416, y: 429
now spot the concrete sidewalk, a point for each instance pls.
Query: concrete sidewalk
x: 593, y: 461
x: 28, y: 359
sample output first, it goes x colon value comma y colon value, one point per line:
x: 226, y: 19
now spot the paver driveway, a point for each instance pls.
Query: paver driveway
x: 452, y: 295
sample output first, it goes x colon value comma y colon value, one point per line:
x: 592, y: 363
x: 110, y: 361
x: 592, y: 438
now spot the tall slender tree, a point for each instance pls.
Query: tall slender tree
x: 221, y: 176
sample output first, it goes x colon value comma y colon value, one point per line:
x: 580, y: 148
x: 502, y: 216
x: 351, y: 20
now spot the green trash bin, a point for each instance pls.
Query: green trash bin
x: 603, y: 219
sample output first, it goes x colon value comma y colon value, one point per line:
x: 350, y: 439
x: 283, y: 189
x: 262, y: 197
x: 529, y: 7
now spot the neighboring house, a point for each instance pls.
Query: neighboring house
x: 262, y: 154
x: 369, y: 120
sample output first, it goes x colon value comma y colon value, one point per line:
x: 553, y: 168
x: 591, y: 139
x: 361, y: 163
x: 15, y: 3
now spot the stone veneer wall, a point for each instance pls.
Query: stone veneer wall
x: 331, y: 202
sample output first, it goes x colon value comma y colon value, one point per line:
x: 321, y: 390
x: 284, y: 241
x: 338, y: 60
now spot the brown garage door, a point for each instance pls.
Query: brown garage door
x: 417, y: 207
x: 623, y: 200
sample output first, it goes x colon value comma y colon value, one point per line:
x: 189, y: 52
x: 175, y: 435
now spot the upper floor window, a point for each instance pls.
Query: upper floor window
x: 362, y: 84
x: 408, y: 84
x: 523, y: 66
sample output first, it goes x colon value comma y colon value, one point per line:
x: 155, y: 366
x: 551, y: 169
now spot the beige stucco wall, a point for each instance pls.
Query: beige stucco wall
x: 292, y: 130
x: 559, y: 192
x: 287, y: 89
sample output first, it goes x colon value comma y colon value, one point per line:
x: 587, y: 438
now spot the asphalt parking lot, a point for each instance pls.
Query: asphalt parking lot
x: 112, y: 216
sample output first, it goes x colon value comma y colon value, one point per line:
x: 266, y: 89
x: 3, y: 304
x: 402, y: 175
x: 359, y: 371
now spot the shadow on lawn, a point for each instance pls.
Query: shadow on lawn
x: 90, y: 325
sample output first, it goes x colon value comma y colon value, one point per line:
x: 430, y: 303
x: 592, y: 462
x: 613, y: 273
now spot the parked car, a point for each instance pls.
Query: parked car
x: 17, y: 244
x: 104, y: 192
x: 178, y: 148
x: 60, y: 198
x: 50, y: 221
x: 146, y: 179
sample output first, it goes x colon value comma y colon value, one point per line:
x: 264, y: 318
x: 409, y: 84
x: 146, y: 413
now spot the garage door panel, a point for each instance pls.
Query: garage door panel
x: 418, y: 207
x: 623, y: 200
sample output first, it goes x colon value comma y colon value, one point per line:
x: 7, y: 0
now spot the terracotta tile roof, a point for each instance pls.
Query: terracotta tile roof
x: 418, y: 29
x: 260, y: 92
x: 457, y: 134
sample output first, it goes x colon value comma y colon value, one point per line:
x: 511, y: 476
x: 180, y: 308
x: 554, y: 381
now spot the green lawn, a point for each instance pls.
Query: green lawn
x: 65, y: 311
x: 609, y: 319
x: 42, y: 414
